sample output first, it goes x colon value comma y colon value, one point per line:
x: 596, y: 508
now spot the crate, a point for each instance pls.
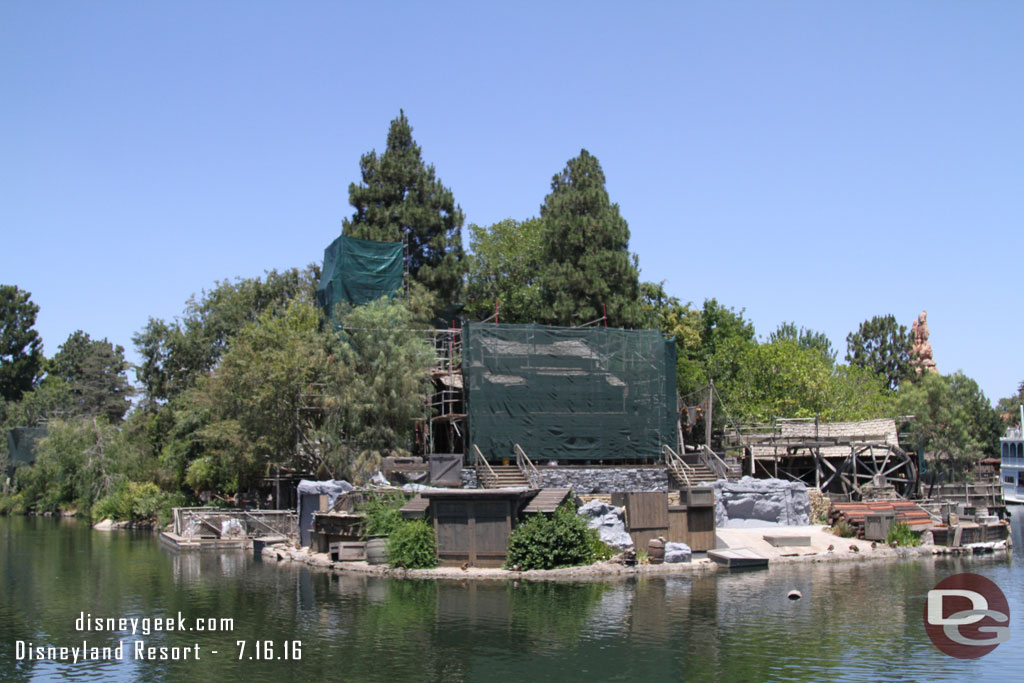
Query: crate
x: 702, y: 496
x: 348, y: 551
x: 877, y: 525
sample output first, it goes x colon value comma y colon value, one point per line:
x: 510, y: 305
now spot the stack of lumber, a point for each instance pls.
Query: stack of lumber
x: 855, y: 514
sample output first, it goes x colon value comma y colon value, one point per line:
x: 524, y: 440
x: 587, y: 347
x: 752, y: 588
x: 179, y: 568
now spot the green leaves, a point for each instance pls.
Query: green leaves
x: 587, y: 268
x: 542, y: 542
x: 400, y: 197
x: 884, y: 347
x: 21, y: 349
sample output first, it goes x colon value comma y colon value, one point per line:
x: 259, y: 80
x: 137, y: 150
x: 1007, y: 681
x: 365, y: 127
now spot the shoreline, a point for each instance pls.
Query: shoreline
x: 751, y: 537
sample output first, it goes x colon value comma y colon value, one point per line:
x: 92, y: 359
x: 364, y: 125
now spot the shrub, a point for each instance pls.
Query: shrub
x: 383, y: 514
x: 601, y: 550
x: 138, y: 502
x: 843, y: 529
x: 542, y: 542
x: 901, y: 535
x: 411, y: 545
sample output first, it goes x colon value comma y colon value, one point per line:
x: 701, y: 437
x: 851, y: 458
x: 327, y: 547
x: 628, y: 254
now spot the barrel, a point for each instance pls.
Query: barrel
x: 377, y: 550
x: 656, y: 550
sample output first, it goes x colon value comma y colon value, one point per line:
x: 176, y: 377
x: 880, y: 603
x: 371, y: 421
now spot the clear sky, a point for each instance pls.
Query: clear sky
x: 815, y: 162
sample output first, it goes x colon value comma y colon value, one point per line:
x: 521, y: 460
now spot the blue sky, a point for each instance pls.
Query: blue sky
x: 805, y: 161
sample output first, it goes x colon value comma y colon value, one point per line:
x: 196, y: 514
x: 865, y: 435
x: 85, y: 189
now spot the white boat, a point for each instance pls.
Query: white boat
x: 1011, y: 467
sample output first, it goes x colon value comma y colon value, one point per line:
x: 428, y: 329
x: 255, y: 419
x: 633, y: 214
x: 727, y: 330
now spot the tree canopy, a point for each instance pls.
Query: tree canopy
x: 587, y: 268
x: 401, y: 197
x: 952, y: 420
x: 21, y: 349
x: 96, y: 372
x: 503, y: 267
x: 883, y: 346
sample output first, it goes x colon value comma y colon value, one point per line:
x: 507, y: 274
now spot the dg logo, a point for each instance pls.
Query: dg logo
x: 967, y: 616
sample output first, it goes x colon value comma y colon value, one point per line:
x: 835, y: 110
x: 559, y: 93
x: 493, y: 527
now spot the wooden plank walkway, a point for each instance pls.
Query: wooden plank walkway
x: 546, y: 500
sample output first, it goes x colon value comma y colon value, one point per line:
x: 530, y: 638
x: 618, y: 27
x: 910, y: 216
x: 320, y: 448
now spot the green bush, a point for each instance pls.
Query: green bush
x: 383, y: 514
x: 411, y: 545
x: 542, y: 542
x: 901, y: 535
x: 601, y: 550
x: 137, y: 502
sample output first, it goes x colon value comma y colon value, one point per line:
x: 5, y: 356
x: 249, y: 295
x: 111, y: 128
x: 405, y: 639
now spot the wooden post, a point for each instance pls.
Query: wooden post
x: 709, y: 413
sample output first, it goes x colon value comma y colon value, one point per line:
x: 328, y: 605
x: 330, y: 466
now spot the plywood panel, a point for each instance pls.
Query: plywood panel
x: 647, y: 510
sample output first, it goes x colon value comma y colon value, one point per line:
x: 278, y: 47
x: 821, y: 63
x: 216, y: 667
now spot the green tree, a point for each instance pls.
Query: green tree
x: 806, y: 338
x: 785, y: 378
x: 21, y: 349
x: 883, y: 346
x: 96, y: 372
x: 1009, y: 407
x: 682, y: 322
x: 952, y: 420
x: 503, y: 267
x: 253, y: 403
x: 400, y: 197
x: 174, y: 354
x: 587, y: 266
x: 376, y: 387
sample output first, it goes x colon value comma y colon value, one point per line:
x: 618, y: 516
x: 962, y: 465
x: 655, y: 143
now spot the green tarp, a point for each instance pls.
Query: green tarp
x: 358, y: 271
x: 583, y: 394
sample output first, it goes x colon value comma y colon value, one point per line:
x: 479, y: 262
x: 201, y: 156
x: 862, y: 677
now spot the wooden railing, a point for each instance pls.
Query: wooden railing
x: 677, y: 465
x: 525, y: 466
x: 714, y: 462
x: 478, y: 458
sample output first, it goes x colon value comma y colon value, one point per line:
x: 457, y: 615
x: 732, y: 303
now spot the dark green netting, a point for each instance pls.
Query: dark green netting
x: 21, y: 444
x: 358, y: 271
x: 569, y: 394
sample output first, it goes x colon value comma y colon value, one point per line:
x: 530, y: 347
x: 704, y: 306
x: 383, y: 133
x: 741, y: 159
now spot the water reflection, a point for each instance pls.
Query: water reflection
x: 857, y: 621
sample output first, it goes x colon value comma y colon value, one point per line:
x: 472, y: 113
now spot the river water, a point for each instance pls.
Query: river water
x: 857, y: 621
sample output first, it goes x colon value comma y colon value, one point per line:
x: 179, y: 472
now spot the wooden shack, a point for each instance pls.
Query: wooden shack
x: 473, y: 525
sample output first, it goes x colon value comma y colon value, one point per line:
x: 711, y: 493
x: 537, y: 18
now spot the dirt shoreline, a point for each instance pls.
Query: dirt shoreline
x: 842, y: 550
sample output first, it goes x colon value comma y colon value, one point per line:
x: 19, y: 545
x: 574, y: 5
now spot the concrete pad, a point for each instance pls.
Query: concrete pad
x: 785, y: 540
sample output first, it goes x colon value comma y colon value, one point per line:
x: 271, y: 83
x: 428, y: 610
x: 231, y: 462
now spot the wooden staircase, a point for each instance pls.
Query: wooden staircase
x: 698, y: 475
x: 501, y: 477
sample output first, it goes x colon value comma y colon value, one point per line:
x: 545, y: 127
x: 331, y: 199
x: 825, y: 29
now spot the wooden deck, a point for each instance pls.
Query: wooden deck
x: 547, y: 501
x: 738, y: 558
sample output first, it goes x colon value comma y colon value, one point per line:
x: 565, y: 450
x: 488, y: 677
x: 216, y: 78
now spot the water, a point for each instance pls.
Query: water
x: 856, y: 622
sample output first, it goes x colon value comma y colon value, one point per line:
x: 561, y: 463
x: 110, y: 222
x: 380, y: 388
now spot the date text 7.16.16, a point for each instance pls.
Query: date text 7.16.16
x: 269, y: 650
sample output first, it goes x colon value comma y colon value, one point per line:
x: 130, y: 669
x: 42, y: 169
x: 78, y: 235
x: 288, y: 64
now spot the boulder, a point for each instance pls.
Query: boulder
x: 677, y: 552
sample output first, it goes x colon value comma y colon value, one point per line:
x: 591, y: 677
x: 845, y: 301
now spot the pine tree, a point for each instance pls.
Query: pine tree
x: 21, y: 349
x: 586, y: 251
x: 400, y: 197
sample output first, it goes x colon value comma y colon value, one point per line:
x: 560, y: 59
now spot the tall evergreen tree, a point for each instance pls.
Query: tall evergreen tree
x: 21, y: 349
x: 883, y: 346
x: 96, y: 372
x: 400, y: 197
x: 586, y: 251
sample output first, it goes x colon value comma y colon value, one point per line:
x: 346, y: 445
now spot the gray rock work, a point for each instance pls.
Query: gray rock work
x: 677, y: 552
x: 607, y: 519
x: 761, y: 502
x: 605, y: 479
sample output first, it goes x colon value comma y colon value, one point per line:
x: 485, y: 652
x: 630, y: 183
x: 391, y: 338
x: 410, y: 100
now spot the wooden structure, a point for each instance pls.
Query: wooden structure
x: 693, y: 521
x: 838, y: 457
x: 902, y: 511
x: 646, y: 516
x: 547, y: 501
x: 738, y: 558
x: 473, y: 525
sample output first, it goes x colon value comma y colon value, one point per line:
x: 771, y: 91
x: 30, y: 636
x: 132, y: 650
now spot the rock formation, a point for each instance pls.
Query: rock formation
x: 922, y: 351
